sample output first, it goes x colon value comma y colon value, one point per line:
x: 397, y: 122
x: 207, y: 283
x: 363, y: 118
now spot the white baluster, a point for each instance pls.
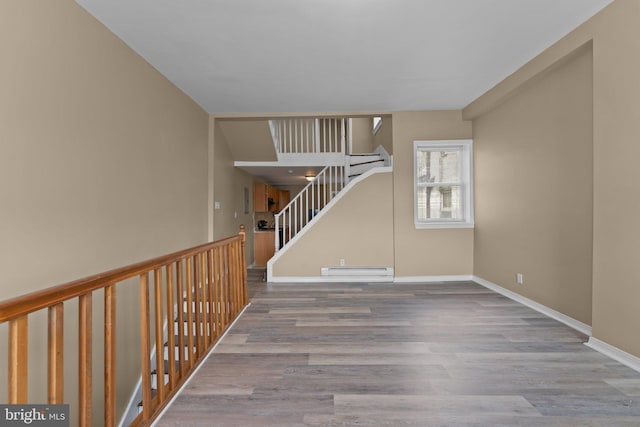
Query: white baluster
x: 313, y: 205
x: 277, y: 233
x: 316, y: 135
x: 307, y: 125
x: 326, y: 134
x: 342, y: 137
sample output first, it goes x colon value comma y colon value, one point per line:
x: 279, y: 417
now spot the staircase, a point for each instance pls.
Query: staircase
x: 180, y: 342
x: 302, y: 209
x: 209, y: 307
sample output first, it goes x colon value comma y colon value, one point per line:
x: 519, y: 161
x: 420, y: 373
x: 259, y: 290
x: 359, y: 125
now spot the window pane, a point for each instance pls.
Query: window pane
x: 439, y: 203
x: 438, y: 166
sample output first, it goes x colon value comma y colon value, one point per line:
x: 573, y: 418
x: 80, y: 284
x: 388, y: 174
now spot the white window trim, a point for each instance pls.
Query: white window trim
x: 466, y: 146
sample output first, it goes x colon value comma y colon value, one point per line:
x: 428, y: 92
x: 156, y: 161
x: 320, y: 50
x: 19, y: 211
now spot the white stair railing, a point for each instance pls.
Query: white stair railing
x: 301, y: 210
x: 308, y: 135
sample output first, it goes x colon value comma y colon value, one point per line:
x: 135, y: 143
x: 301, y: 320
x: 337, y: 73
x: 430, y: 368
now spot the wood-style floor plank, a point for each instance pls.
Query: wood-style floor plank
x: 447, y: 354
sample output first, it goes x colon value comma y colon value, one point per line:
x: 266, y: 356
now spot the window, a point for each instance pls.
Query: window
x: 377, y: 122
x: 442, y: 184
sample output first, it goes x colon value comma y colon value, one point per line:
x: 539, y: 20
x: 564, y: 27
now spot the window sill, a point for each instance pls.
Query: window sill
x: 441, y: 225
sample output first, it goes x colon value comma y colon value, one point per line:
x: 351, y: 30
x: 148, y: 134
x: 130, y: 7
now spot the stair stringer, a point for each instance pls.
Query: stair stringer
x: 321, y: 214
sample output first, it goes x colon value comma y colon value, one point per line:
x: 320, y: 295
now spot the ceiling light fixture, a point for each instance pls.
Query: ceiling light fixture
x: 309, y: 177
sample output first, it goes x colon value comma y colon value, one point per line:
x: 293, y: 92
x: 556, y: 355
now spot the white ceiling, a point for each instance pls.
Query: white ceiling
x: 259, y: 56
x: 282, y: 176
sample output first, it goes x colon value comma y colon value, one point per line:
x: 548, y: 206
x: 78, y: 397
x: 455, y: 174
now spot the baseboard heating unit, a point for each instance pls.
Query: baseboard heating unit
x: 378, y: 272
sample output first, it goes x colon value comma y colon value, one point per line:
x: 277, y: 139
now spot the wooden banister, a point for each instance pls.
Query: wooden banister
x: 201, y: 289
x: 29, y: 303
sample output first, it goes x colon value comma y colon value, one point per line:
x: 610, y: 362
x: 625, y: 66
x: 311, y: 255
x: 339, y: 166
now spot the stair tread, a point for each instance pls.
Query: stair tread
x: 166, y: 367
x: 184, y: 317
x: 154, y: 392
x: 186, y: 341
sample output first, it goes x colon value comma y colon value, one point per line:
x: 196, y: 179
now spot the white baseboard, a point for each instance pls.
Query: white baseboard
x: 431, y: 279
x: 563, y: 318
x: 370, y: 279
x: 330, y: 279
x: 615, y: 353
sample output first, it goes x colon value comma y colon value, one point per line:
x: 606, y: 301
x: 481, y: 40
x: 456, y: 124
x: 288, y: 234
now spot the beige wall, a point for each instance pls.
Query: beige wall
x: 358, y: 229
x: 361, y: 135
x: 229, y: 185
x: 614, y: 33
x: 425, y: 252
x: 534, y: 192
x: 103, y: 162
x: 384, y: 136
x: 249, y: 140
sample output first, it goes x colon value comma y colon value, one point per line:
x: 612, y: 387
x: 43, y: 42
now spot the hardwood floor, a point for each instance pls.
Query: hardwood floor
x: 453, y: 354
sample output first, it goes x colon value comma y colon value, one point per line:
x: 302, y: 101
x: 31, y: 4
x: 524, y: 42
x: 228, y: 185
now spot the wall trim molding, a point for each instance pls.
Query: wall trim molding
x: 431, y: 279
x: 330, y: 279
x: 563, y: 318
x: 614, y: 353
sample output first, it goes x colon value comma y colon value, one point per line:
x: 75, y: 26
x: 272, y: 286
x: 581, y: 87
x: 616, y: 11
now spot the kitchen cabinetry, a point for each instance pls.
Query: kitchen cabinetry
x: 260, y: 203
x: 272, y: 195
x: 283, y: 199
x: 263, y: 193
x: 263, y: 247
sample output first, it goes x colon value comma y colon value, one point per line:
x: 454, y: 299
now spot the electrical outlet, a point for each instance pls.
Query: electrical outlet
x: 520, y: 278
x: 341, y: 262
x: 216, y: 205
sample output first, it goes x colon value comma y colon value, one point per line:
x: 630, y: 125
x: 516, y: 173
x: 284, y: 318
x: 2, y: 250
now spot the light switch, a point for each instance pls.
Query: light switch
x: 216, y: 205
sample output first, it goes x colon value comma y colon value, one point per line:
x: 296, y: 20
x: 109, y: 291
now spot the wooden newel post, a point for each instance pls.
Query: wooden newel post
x: 243, y: 263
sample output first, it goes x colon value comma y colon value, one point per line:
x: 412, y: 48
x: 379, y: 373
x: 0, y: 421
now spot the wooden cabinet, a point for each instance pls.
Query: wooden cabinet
x: 272, y: 195
x: 283, y: 199
x: 263, y: 247
x: 263, y: 193
x: 260, y: 197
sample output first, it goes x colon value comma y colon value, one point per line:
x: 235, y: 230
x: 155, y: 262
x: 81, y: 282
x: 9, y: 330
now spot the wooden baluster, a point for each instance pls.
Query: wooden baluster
x: 84, y: 360
x: 18, y: 357
x: 238, y: 278
x: 221, y: 300
x: 239, y: 275
x: 56, y: 355
x: 223, y: 286
x: 171, y: 317
x: 145, y: 346
x: 216, y: 290
x: 109, y: 356
x: 227, y: 271
x: 197, y: 315
x: 205, y: 301
x: 158, y: 315
x: 213, y: 327
x: 243, y: 257
x: 189, y: 286
x: 232, y: 277
x: 180, y: 308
